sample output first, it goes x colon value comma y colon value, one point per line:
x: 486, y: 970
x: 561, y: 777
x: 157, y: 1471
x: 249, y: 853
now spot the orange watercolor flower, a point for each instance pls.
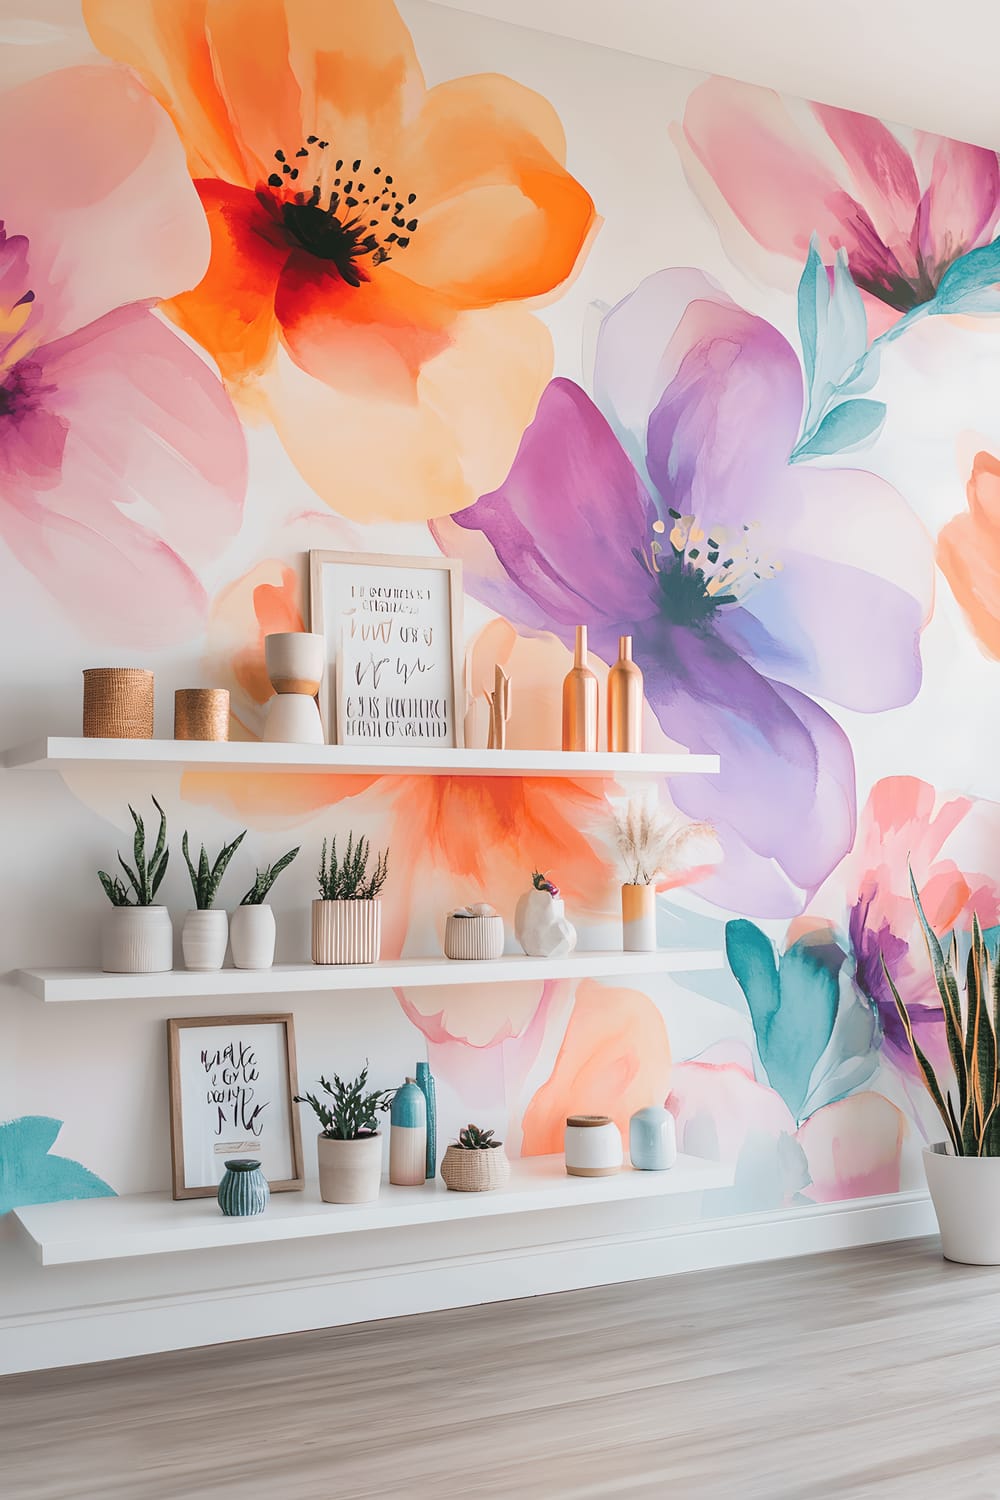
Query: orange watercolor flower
x: 374, y: 241
x: 968, y: 553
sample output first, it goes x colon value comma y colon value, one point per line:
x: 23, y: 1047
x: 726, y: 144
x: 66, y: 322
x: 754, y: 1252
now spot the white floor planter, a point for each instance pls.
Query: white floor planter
x: 965, y: 1191
x: 346, y: 932
x: 251, y: 936
x: 137, y: 940
x: 350, y: 1171
x: 204, y: 937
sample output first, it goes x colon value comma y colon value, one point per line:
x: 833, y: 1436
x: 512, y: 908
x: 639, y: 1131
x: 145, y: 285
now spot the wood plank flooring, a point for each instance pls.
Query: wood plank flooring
x: 869, y: 1372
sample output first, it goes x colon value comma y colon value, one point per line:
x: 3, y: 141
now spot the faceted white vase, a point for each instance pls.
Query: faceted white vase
x: 137, y: 940
x: 204, y: 937
x: 540, y: 925
x: 251, y: 936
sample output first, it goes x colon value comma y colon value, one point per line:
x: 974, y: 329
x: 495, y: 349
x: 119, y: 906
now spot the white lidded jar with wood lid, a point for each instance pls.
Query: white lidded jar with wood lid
x: 593, y: 1146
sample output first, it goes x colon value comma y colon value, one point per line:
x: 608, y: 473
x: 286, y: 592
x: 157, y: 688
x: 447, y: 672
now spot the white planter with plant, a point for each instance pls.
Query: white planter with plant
x: 963, y: 1171
x: 205, y: 933
x: 476, y: 1163
x: 347, y: 917
x: 540, y: 922
x: 652, y: 845
x: 349, y: 1146
x: 252, y: 928
x: 137, y: 936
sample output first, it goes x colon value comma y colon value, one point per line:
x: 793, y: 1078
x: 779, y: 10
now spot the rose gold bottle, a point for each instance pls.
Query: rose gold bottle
x: 625, y: 700
x: 579, y: 704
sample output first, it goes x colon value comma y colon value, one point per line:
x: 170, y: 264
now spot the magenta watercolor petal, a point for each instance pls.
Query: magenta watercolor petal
x: 123, y: 417
x: 882, y: 178
x: 959, y: 208
x: 567, y: 520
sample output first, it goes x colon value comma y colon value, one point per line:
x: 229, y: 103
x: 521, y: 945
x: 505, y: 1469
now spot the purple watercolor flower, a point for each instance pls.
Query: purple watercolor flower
x: 666, y: 509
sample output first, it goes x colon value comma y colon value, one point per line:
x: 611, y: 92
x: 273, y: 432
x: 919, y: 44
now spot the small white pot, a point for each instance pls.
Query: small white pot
x: 346, y: 932
x: 203, y: 939
x: 350, y: 1171
x: 251, y: 936
x: 473, y: 937
x: 639, y: 918
x: 593, y: 1146
x: 540, y: 925
x: 137, y: 940
x: 965, y: 1191
x: 295, y: 661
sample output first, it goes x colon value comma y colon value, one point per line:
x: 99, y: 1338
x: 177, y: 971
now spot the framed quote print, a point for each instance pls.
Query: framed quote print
x: 232, y: 1090
x: 394, y: 649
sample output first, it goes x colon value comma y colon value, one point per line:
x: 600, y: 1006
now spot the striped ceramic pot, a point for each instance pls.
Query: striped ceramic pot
x: 243, y: 1190
x: 346, y: 932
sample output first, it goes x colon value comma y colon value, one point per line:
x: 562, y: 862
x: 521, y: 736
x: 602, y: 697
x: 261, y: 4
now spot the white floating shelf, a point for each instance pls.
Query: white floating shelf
x: 152, y: 1224
x: 62, y: 985
x: 64, y: 753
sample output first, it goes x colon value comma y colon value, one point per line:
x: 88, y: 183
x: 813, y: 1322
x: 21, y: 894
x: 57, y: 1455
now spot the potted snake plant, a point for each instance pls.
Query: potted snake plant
x: 251, y: 926
x: 963, y: 1170
x: 205, y: 933
x: 137, y: 936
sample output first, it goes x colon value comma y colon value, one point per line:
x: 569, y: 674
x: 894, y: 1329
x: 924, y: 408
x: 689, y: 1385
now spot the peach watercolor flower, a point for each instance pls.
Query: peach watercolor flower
x: 968, y: 552
x: 374, y: 242
x: 122, y: 462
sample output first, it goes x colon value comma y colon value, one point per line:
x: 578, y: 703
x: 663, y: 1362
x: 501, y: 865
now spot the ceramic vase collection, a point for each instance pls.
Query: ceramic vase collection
x: 137, y: 940
x: 252, y: 933
x: 425, y: 1082
x: 593, y: 1146
x: 243, y: 1189
x: 652, y: 1139
x: 346, y: 932
x: 639, y: 918
x: 204, y: 938
x: 350, y: 1171
x: 579, y: 700
x: 408, y: 1136
x: 625, y: 689
x: 295, y: 661
x: 541, y: 925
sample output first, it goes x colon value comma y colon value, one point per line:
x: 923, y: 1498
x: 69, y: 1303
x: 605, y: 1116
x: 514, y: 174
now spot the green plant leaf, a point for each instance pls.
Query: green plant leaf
x: 927, y: 1072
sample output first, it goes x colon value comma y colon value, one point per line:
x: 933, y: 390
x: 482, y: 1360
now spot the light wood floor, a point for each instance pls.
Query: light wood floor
x: 872, y: 1372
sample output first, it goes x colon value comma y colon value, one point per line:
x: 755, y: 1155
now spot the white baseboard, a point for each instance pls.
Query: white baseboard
x: 145, y: 1324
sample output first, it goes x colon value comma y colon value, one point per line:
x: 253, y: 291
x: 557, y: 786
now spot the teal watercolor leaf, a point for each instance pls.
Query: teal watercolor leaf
x: 30, y: 1174
x: 850, y: 425
x: 833, y: 332
x: 971, y: 284
x: 793, y: 1004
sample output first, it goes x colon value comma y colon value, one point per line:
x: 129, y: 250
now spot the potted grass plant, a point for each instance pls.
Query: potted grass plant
x: 349, y: 1144
x: 251, y: 926
x: 137, y: 936
x: 475, y: 1163
x: 347, y: 916
x: 206, y: 931
x: 963, y: 1170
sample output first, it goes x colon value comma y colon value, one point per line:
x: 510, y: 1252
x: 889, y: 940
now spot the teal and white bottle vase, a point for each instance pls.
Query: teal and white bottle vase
x: 408, y: 1136
x: 425, y: 1082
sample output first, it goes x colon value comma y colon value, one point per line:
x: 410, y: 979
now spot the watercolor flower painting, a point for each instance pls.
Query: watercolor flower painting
x: 666, y: 509
x: 122, y: 462
x: 373, y: 241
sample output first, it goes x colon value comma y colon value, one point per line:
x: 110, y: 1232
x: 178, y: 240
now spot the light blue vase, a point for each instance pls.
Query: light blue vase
x: 243, y: 1190
x: 427, y: 1086
x: 652, y: 1139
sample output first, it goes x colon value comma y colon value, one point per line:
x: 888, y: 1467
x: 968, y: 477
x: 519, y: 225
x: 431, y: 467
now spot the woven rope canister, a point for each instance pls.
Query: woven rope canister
x: 473, y: 937
x: 117, y: 703
x: 201, y: 714
x: 475, y: 1171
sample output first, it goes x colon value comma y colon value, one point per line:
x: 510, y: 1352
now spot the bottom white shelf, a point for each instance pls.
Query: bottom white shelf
x: 153, y: 1224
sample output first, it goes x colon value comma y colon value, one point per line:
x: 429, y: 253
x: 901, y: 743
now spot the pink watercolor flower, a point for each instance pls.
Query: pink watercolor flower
x: 903, y: 215
x: 122, y: 462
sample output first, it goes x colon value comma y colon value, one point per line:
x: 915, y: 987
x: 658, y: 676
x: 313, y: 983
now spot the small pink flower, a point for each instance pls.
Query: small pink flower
x: 122, y: 462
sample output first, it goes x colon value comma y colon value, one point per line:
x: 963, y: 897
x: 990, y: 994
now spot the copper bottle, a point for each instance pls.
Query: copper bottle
x: 625, y: 700
x: 579, y: 703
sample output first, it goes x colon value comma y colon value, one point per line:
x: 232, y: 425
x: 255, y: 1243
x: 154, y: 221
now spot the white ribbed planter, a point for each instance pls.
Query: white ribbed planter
x: 204, y: 937
x: 137, y: 940
x: 965, y: 1191
x: 473, y: 937
x: 350, y: 1171
x: 346, y: 932
x: 251, y: 936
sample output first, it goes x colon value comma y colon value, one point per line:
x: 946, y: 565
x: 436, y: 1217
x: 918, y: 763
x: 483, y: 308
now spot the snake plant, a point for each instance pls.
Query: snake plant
x: 264, y: 879
x: 972, y: 1116
x: 145, y: 878
x: 205, y: 880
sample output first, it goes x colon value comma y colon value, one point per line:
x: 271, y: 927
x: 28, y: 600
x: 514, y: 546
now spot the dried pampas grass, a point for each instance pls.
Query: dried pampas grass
x: 652, y: 843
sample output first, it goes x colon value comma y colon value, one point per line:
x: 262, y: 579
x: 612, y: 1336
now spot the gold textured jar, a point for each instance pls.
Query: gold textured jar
x: 201, y: 714
x: 117, y: 703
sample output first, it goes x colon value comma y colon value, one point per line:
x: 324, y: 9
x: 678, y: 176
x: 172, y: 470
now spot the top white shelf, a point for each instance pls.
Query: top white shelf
x: 69, y: 753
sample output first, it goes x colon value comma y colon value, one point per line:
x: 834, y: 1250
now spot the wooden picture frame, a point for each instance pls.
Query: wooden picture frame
x: 338, y: 590
x: 217, y: 1112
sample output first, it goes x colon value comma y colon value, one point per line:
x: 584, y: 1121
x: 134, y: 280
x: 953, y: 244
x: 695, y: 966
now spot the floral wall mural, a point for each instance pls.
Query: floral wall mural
x: 706, y: 366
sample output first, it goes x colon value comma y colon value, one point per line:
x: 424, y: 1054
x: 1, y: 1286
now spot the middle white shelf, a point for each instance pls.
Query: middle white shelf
x: 62, y: 985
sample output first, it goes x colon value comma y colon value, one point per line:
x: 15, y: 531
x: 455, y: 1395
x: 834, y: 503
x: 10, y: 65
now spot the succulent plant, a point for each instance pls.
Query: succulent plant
x: 543, y: 883
x: 264, y: 879
x: 973, y: 1124
x: 146, y: 877
x: 348, y: 879
x: 472, y: 1138
x: 353, y: 1112
x: 205, y: 880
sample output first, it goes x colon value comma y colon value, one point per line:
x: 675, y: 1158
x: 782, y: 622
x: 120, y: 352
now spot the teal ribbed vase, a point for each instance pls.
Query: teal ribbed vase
x: 243, y: 1190
x: 426, y: 1085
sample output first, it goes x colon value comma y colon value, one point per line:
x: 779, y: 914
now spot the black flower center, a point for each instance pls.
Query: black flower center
x: 701, y: 570
x: 349, y: 215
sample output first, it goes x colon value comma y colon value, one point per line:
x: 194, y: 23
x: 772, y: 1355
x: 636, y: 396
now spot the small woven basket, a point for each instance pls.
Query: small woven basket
x: 117, y: 703
x: 475, y: 1171
x: 201, y: 714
